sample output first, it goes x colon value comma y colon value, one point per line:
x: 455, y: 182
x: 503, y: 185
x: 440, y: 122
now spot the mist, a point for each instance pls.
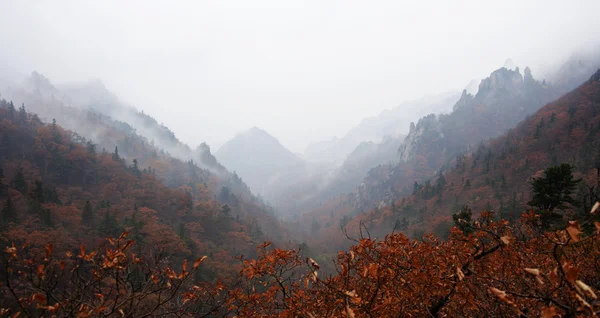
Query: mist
x: 302, y: 71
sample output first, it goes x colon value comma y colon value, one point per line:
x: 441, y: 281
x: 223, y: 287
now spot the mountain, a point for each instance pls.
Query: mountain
x: 389, y: 123
x: 575, y: 70
x: 496, y: 175
x: 258, y: 158
x: 503, y: 99
x: 55, y: 186
x: 92, y: 98
x: 86, y: 110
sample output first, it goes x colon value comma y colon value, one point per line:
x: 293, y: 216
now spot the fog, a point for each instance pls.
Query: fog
x: 302, y: 71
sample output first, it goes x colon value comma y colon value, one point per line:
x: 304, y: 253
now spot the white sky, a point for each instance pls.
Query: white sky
x: 301, y: 70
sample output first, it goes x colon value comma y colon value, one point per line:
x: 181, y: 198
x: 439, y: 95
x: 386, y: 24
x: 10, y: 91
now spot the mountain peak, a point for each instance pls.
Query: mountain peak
x: 39, y: 83
x: 509, y: 64
x: 595, y: 77
x: 501, y: 78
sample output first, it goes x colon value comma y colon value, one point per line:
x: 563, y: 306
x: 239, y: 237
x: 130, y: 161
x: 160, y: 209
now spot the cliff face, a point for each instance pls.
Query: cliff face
x: 503, y: 99
x: 427, y: 133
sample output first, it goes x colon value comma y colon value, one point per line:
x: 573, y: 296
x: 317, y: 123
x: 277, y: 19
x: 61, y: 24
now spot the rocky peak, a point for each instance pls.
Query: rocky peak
x: 595, y: 77
x: 502, y: 78
x: 426, y: 126
x: 465, y: 99
x: 38, y: 83
x: 509, y: 64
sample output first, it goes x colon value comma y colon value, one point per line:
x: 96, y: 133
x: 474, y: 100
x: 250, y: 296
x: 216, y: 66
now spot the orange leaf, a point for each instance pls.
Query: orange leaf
x: 312, y: 263
x: 349, y: 312
x: 574, y: 230
x: 532, y: 271
x: 506, y: 240
x: 48, y: 250
x: 40, y: 298
x: 548, y: 312
x: 460, y: 274
x: 585, y: 289
x: 198, y: 261
x: 571, y: 272
x: 595, y: 207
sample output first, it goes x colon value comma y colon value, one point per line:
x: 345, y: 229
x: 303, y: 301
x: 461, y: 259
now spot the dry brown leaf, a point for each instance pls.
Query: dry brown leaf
x: 548, y: 312
x: 571, y: 272
x: 502, y: 295
x: 506, y: 240
x: 460, y: 274
x: 312, y: 263
x: 532, y: 271
x: 349, y: 312
x: 585, y: 289
x: 595, y: 208
x: 198, y: 261
x: 574, y: 230
x: 350, y: 293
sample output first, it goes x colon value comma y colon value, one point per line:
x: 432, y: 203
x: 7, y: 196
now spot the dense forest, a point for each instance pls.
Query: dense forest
x: 56, y: 186
x: 85, y: 233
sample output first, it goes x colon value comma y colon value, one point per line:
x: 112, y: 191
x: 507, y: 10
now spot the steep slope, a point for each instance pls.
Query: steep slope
x: 158, y: 151
x: 55, y: 186
x: 496, y: 175
x: 259, y: 159
x: 392, y: 122
x: 502, y: 100
x: 91, y: 98
x: 316, y: 183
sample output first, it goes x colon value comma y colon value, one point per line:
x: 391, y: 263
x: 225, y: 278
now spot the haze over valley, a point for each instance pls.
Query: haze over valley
x: 261, y: 159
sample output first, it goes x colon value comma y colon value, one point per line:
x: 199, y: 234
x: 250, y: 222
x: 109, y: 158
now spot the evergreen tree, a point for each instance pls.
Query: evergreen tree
x: 46, y: 216
x: 115, y: 155
x: 463, y: 219
x: 555, y: 189
x: 1, y: 182
x: 11, y: 110
x: 38, y: 192
x: 109, y: 225
x: 9, y: 213
x: 135, y: 168
x: 19, y: 183
x: 22, y: 118
x: 87, y: 216
x: 90, y: 147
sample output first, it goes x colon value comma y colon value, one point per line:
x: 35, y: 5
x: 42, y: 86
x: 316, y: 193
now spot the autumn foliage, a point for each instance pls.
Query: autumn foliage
x: 500, y: 269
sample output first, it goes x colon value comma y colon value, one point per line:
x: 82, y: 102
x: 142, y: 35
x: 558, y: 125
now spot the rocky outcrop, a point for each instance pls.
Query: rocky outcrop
x: 427, y: 129
x: 502, y: 78
x: 595, y: 77
x: 465, y: 99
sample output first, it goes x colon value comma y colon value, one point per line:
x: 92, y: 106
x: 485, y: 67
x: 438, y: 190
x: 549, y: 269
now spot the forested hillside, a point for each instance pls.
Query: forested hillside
x: 497, y: 175
x: 57, y: 186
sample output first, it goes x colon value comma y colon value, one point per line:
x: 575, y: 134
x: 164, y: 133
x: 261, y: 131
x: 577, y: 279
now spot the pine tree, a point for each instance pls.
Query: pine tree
x: 109, y: 225
x: 1, y: 182
x: 38, y: 192
x: 22, y: 118
x: 19, y: 182
x: 463, y: 219
x: 87, y: 216
x: 9, y: 213
x: 46, y: 216
x: 11, y: 110
x: 555, y: 189
x: 115, y: 155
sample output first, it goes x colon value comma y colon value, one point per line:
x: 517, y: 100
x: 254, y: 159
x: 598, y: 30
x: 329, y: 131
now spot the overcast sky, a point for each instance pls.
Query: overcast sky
x: 302, y: 70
